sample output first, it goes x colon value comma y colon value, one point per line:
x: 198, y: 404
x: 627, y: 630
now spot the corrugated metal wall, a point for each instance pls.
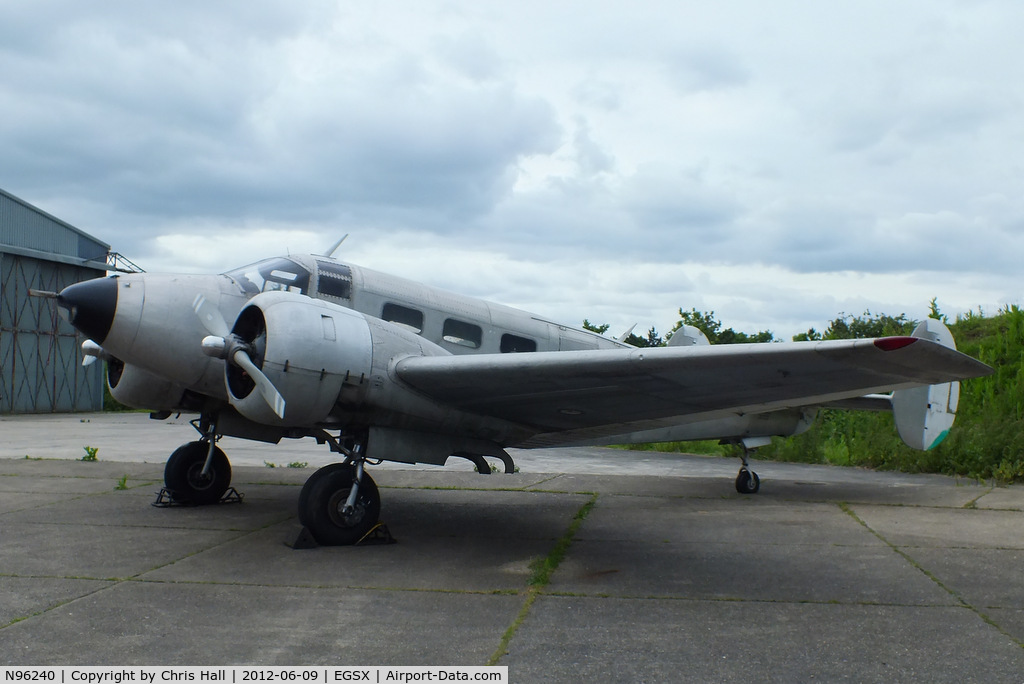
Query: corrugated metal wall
x: 40, y: 353
x: 23, y: 225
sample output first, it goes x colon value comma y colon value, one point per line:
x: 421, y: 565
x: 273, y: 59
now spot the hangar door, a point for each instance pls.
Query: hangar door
x: 40, y: 358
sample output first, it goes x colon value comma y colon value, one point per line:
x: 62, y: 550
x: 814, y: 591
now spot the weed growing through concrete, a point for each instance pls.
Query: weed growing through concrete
x: 542, y: 568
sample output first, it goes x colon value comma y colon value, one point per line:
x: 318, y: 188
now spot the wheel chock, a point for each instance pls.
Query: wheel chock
x: 166, y: 498
x: 231, y: 496
x: 303, y: 539
x: 378, y: 534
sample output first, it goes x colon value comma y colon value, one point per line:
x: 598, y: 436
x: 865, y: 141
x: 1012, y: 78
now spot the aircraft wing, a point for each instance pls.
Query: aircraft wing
x: 563, y: 397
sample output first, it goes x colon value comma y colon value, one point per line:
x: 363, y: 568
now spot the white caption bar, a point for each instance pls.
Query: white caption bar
x: 255, y: 675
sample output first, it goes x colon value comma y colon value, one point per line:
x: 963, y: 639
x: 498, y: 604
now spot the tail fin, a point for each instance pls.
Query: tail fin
x: 687, y: 336
x: 924, y: 415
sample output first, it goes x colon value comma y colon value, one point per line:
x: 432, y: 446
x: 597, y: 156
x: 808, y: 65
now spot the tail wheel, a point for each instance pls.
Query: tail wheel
x: 322, y: 502
x: 183, y: 474
x: 747, y: 482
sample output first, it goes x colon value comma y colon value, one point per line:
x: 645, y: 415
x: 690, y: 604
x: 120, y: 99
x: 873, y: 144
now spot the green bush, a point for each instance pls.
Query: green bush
x: 987, y: 440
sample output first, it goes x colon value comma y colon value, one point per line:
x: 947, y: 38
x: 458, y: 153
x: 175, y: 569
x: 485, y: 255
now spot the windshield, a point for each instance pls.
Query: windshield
x: 271, y: 274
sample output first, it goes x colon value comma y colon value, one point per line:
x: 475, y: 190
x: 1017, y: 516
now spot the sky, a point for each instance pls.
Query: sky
x: 776, y: 163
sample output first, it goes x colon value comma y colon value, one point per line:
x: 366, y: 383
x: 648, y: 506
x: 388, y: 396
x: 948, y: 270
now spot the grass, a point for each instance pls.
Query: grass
x: 708, y: 447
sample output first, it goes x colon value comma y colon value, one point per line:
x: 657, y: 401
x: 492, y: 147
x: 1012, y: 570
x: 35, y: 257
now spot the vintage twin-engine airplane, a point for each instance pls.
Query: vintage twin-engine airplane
x: 381, y: 368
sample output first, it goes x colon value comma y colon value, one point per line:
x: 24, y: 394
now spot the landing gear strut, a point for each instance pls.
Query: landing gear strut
x: 747, y: 481
x: 340, y: 503
x: 198, y: 472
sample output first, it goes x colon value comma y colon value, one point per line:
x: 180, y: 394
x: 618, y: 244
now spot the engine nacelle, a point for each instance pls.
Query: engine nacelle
x: 141, y: 389
x: 308, y: 348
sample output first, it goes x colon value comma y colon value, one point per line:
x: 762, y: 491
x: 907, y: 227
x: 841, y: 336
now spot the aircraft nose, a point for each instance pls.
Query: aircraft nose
x: 90, y: 306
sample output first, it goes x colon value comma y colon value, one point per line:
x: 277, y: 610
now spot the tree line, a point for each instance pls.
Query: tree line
x: 843, y: 327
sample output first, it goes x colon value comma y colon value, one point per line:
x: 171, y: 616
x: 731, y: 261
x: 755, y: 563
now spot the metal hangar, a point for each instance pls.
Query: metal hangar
x: 40, y: 358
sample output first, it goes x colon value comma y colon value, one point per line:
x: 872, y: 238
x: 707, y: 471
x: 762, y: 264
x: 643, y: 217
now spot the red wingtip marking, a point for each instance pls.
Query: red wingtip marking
x: 894, y: 343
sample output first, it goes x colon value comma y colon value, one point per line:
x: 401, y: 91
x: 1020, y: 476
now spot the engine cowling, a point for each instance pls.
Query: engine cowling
x: 132, y: 386
x: 308, y: 348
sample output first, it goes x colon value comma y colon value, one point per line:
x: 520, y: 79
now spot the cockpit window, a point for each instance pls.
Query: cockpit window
x: 272, y: 274
x: 334, y: 280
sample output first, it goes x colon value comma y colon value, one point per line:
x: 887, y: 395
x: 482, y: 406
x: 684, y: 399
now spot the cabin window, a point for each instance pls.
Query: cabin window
x: 403, y: 316
x: 335, y: 280
x: 462, y: 333
x: 514, y: 343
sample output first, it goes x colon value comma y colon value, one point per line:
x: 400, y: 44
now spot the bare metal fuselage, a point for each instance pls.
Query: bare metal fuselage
x: 154, y: 340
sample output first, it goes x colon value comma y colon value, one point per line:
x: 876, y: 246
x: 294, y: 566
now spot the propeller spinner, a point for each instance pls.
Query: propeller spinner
x: 91, y: 352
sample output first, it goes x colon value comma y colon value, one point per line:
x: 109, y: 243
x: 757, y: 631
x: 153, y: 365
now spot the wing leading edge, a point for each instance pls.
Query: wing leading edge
x: 568, y: 396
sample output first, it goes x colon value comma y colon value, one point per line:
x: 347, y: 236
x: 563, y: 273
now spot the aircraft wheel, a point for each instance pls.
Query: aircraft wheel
x: 747, y: 482
x: 183, y: 474
x: 323, y: 497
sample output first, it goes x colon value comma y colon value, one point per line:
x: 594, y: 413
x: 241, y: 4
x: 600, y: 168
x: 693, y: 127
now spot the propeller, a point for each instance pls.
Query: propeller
x: 210, y: 317
x: 623, y: 336
x: 221, y: 343
x: 336, y: 245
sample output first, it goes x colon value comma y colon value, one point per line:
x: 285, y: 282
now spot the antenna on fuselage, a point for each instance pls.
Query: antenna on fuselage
x: 337, y: 244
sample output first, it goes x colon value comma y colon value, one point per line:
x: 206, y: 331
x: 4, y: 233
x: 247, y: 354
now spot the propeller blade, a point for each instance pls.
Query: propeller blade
x: 210, y: 316
x: 623, y: 336
x: 336, y: 245
x: 266, y: 387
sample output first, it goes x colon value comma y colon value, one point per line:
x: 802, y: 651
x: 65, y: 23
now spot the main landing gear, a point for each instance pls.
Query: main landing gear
x: 340, y: 503
x: 198, y: 473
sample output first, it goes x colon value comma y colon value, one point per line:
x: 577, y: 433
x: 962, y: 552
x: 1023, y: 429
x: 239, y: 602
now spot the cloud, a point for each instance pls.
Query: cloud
x: 771, y: 162
x: 711, y: 67
x: 680, y: 204
x: 276, y: 126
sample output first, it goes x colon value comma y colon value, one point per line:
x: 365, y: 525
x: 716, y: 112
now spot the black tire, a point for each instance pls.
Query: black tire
x: 323, y: 497
x: 183, y: 474
x: 747, y: 482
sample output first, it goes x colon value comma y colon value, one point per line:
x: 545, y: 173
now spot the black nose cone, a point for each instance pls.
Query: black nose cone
x: 90, y: 306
